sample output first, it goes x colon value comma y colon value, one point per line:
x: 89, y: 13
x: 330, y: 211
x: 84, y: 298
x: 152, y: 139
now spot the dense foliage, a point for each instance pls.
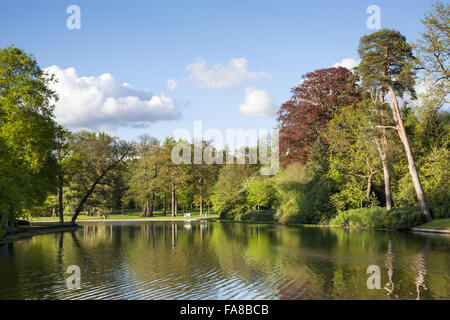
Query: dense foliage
x: 313, y: 103
x: 27, y: 135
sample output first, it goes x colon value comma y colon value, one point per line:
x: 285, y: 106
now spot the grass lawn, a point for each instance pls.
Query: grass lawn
x: 438, y: 224
x: 131, y: 214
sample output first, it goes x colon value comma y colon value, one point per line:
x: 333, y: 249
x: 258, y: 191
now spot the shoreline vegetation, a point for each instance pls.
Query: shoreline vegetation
x: 30, y: 230
x: 51, y: 225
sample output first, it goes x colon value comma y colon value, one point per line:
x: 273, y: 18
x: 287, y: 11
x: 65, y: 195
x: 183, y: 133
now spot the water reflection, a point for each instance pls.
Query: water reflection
x: 421, y: 263
x: 216, y: 260
x: 389, y: 264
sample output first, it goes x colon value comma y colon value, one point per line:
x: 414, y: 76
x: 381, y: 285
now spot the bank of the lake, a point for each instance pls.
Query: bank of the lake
x: 434, y: 226
x: 25, y: 231
x: 44, y: 225
x: 375, y: 218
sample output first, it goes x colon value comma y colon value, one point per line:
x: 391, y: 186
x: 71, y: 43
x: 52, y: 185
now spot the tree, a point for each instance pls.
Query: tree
x: 386, y: 60
x: 27, y: 134
x: 63, y: 152
x: 260, y: 192
x: 99, y: 154
x: 435, y: 173
x: 203, y: 174
x: 378, y: 114
x: 173, y: 174
x: 313, y: 103
x: 352, y: 148
x: 228, y: 197
x: 144, y: 177
x: 433, y: 49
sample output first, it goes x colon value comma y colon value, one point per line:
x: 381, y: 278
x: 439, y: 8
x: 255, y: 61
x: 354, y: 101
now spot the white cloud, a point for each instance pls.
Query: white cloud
x: 258, y: 103
x: 100, y: 102
x: 222, y: 77
x: 172, y: 84
x: 348, y: 63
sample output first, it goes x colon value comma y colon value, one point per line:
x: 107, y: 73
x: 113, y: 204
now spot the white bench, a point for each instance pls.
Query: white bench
x: 187, y: 214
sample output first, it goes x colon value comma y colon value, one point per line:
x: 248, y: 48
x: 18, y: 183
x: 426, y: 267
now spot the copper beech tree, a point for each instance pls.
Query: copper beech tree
x: 313, y: 103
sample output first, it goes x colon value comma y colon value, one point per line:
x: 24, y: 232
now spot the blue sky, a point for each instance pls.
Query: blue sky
x: 146, y: 43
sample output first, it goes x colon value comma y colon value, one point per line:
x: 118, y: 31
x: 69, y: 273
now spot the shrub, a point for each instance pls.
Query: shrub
x: 288, y: 211
x: 351, y: 195
x: 290, y: 185
x: 260, y: 193
x: 311, y: 206
x: 435, y: 177
x: 440, y: 212
x: 257, y: 215
x: 316, y: 205
x: 404, y: 218
x: 377, y: 217
x: 228, y: 198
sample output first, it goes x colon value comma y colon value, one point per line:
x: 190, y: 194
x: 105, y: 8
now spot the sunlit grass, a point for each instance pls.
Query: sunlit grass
x: 130, y: 214
x: 439, y: 224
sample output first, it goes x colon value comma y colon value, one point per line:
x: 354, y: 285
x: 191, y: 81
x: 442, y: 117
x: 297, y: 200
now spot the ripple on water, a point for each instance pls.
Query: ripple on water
x: 221, y: 261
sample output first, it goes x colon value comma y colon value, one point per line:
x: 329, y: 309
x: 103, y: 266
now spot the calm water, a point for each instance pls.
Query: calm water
x: 217, y: 260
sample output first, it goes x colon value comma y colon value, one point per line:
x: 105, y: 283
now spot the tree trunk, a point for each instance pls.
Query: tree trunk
x: 91, y: 190
x: 387, y: 186
x: 6, y: 226
x: 145, y: 211
x: 176, y: 202
x: 387, y: 175
x: 60, y: 198
x: 164, y: 204
x: 383, y: 152
x: 369, y: 188
x: 173, y: 202
x: 411, y: 163
x: 201, y: 198
x: 149, y: 212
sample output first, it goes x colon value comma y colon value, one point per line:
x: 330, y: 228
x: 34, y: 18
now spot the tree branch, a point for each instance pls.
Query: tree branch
x: 387, y: 127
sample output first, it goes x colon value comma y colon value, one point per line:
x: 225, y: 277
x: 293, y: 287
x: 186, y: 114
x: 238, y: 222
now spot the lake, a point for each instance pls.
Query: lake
x: 225, y: 260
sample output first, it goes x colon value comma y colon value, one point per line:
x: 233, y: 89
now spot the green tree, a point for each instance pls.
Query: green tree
x: 352, y: 148
x: 143, y: 182
x: 386, y: 63
x: 433, y: 49
x: 290, y: 184
x: 435, y: 173
x: 63, y: 152
x: 27, y: 134
x: 203, y: 174
x: 228, y: 196
x: 175, y: 175
x: 260, y: 192
x: 99, y: 155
